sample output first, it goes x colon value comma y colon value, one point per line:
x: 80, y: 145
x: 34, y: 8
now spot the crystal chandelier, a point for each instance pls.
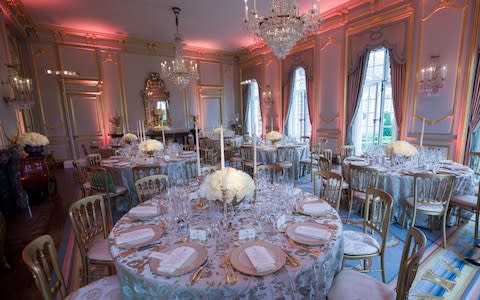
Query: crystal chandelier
x: 179, y: 71
x: 284, y: 28
x: 432, y: 77
x: 22, y: 90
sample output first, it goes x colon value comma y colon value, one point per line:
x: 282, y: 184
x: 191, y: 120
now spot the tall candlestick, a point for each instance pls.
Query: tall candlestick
x: 271, y: 123
x: 143, y: 130
x: 423, y: 131
x: 222, y: 154
x: 163, y: 133
x: 197, y: 148
x: 138, y: 132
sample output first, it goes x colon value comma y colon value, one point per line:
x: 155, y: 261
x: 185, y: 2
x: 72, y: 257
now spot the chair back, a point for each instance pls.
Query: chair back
x: 246, y: 152
x: 411, y: 256
x: 84, y: 150
x: 40, y: 256
x: 363, y: 178
x: 150, y: 186
x: 3, y: 237
x: 208, y: 170
x: 328, y: 154
x: 474, y: 162
x: 79, y: 173
x: 331, y: 187
x: 140, y: 171
x: 324, y: 164
x: 286, y: 154
x: 432, y: 188
x: 273, y: 173
x: 94, y: 160
x: 346, y: 151
x: 101, y: 181
x: 88, y: 217
x: 377, y: 213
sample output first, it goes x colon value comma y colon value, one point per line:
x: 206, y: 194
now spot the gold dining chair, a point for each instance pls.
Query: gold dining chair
x: 150, y: 186
x: 346, y: 151
x: 208, y: 170
x: 89, y: 224
x: 273, y: 173
x: 350, y: 284
x: 101, y: 183
x: 246, y: 153
x: 431, y: 197
x: 94, y: 160
x: 331, y: 187
x: 81, y: 178
x: 285, y: 160
x: 363, y: 245
x: 140, y: 171
x: 471, y: 203
x: 311, y: 162
x: 361, y: 179
x: 41, y: 258
x: 3, y: 236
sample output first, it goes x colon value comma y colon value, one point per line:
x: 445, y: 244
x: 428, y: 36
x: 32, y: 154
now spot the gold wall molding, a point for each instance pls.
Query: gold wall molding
x: 329, y: 42
x: 431, y: 122
x: 442, y: 5
x: 327, y: 120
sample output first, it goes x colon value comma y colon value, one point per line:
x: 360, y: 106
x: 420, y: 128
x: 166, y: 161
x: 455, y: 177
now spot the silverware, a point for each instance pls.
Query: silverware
x: 445, y: 283
x: 135, y: 250
x: 198, y: 273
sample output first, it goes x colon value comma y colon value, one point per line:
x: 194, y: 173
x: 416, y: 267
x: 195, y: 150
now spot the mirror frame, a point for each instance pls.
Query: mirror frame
x: 156, y: 100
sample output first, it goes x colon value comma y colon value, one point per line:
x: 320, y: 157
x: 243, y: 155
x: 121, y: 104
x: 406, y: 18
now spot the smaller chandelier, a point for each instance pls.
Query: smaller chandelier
x: 22, y: 90
x: 267, y: 97
x: 179, y: 71
x: 284, y: 28
x: 432, y: 77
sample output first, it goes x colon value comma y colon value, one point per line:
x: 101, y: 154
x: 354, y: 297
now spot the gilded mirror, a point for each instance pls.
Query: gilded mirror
x: 156, y: 100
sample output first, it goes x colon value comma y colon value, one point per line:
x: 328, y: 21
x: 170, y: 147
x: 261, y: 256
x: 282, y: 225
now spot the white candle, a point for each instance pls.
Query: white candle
x: 421, y: 134
x: 143, y: 129
x: 222, y: 154
x: 163, y: 133
x: 138, y: 131
x: 197, y: 148
x: 254, y: 146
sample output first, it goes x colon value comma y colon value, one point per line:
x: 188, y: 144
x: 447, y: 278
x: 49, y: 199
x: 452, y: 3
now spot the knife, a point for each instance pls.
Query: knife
x: 292, y: 261
x: 198, y: 273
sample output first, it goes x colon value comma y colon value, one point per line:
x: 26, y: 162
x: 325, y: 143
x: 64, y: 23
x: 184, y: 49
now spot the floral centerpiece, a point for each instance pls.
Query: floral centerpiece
x: 129, y: 138
x: 274, y: 136
x: 158, y: 128
x: 228, y: 185
x: 33, y: 143
x: 149, y: 147
x: 401, y: 148
x: 226, y: 132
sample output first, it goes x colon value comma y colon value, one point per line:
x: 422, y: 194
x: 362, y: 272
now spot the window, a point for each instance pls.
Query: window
x: 375, y: 120
x: 253, y: 110
x: 298, y: 120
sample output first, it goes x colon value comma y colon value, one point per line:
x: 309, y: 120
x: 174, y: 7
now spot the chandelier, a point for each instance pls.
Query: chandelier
x: 284, y: 28
x: 179, y: 71
x: 22, y: 89
x: 432, y: 77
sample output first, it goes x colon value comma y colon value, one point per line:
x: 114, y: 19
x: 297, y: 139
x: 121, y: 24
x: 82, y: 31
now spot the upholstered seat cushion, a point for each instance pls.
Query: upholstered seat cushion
x: 359, y: 243
x: 236, y: 158
x: 426, y: 207
x: 107, y: 288
x: 285, y: 164
x: 345, y: 185
x: 98, y: 249
x: 469, y: 201
x: 359, y: 195
x: 350, y: 284
x: 118, y: 191
x: 250, y: 163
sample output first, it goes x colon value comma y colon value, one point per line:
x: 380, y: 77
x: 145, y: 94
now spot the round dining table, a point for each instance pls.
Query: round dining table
x: 301, y: 272
x: 398, y: 181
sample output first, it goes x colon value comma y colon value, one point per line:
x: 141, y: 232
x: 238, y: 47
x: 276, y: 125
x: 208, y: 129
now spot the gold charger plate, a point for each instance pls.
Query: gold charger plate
x: 195, y: 261
x: 241, y: 262
x: 157, y: 234
x: 299, y: 208
x: 303, y: 239
x: 160, y: 210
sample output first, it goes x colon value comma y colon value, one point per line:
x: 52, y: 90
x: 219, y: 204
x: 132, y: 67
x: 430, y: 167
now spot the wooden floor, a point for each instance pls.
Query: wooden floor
x: 48, y: 216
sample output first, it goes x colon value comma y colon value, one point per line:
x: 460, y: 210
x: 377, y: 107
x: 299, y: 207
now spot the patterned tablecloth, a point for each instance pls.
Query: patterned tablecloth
x: 310, y: 280
x: 267, y: 154
x: 122, y: 171
x: 399, y: 182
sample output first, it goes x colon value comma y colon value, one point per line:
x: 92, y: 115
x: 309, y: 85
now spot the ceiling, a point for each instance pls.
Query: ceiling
x: 212, y: 24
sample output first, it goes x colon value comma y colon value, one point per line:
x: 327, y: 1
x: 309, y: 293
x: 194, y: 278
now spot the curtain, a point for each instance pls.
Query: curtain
x: 246, y: 108
x: 291, y: 94
x: 398, y: 74
x: 310, y: 103
x: 354, y: 88
x: 287, y: 95
x: 474, y: 122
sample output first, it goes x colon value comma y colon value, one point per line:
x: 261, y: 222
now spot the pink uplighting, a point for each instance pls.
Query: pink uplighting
x: 93, y: 26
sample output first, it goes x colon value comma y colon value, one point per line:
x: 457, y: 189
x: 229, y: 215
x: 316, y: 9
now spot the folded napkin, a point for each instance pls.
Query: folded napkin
x: 316, y: 208
x: 175, y: 259
x: 261, y: 260
x: 134, y: 237
x: 313, y: 232
x: 144, y: 211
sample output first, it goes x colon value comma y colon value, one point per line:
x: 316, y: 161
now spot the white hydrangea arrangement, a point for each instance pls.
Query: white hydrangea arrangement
x: 274, y: 136
x: 227, y: 185
x: 401, y: 148
x: 129, y: 138
x: 158, y: 128
x: 226, y: 132
x: 33, y: 139
x: 150, y: 146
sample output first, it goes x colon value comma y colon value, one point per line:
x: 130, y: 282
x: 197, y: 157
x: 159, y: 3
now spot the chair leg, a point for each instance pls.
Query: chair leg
x: 476, y: 225
x: 444, y: 228
x: 350, y: 204
x: 85, y: 273
x: 382, y: 262
x: 405, y: 211
x: 414, y: 218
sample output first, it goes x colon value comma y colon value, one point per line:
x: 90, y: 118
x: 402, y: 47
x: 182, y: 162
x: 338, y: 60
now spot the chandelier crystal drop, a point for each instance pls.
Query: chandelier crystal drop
x: 179, y: 71
x: 284, y: 28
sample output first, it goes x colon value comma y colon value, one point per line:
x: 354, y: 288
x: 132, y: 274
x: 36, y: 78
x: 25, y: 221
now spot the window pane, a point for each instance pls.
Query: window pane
x: 298, y: 121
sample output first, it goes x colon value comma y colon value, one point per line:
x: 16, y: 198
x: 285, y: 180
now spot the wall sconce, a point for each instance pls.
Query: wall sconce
x: 22, y: 89
x: 432, y: 77
x: 62, y: 73
x: 267, y: 97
